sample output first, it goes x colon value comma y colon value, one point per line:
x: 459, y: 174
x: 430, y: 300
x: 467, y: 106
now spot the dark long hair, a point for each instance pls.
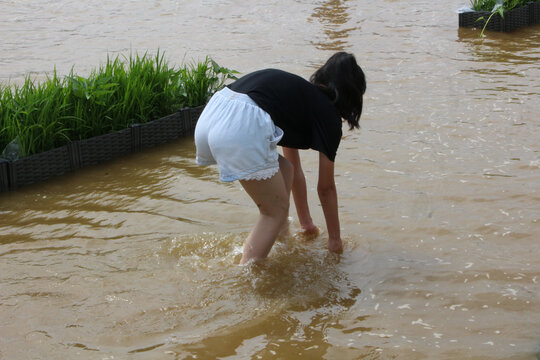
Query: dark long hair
x: 344, y: 81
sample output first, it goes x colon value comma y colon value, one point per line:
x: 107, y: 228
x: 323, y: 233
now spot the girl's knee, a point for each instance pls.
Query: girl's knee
x: 279, y: 208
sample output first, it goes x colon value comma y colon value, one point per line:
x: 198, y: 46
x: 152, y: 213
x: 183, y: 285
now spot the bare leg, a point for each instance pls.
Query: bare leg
x: 287, y: 171
x: 272, y: 198
x: 299, y: 192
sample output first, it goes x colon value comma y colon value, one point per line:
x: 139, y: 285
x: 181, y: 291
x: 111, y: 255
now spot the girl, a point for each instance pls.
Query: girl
x: 242, y: 125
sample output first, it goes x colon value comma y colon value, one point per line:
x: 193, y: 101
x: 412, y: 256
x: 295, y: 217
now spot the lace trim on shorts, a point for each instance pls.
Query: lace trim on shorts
x: 263, y: 174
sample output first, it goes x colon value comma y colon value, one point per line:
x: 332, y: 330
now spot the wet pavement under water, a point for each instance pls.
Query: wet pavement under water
x: 439, y: 197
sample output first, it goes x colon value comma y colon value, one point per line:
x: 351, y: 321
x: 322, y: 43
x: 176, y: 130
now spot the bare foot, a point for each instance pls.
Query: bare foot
x: 335, y: 246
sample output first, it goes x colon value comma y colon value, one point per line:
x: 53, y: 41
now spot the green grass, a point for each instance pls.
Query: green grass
x: 196, y: 79
x: 123, y: 91
x: 488, y: 5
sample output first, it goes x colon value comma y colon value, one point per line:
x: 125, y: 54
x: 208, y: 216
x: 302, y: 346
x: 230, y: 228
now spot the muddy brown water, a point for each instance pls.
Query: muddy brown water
x: 439, y: 197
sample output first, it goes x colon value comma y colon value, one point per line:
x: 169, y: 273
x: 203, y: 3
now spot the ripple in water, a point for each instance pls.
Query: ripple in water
x: 299, y: 276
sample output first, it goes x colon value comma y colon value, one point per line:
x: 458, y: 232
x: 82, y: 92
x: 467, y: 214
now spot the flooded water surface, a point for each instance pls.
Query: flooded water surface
x: 439, y: 196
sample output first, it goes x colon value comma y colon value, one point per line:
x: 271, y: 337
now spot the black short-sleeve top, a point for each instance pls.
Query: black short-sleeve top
x: 304, y: 112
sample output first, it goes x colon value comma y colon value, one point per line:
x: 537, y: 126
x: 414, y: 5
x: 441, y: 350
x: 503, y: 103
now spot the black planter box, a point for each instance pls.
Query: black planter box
x: 162, y: 130
x: 470, y: 19
x: 517, y: 18
x: 39, y: 167
x: 104, y: 147
x: 512, y: 20
x: 77, y: 154
x: 534, y: 9
x: 192, y: 115
x: 4, y: 176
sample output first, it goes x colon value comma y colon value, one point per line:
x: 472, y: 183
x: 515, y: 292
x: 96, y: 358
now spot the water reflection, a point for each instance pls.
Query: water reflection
x: 504, y: 64
x: 516, y: 48
x: 333, y: 15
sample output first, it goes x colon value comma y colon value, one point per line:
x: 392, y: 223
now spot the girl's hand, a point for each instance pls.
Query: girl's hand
x: 308, y: 232
x: 310, y: 229
x: 335, y: 245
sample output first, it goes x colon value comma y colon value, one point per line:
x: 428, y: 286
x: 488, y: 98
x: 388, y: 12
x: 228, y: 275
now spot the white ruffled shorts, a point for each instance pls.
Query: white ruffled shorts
x: 237, y: 135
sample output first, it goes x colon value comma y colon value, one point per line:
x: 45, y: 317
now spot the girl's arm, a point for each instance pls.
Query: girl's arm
x: 299, y: 192
x: 328, y: 196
